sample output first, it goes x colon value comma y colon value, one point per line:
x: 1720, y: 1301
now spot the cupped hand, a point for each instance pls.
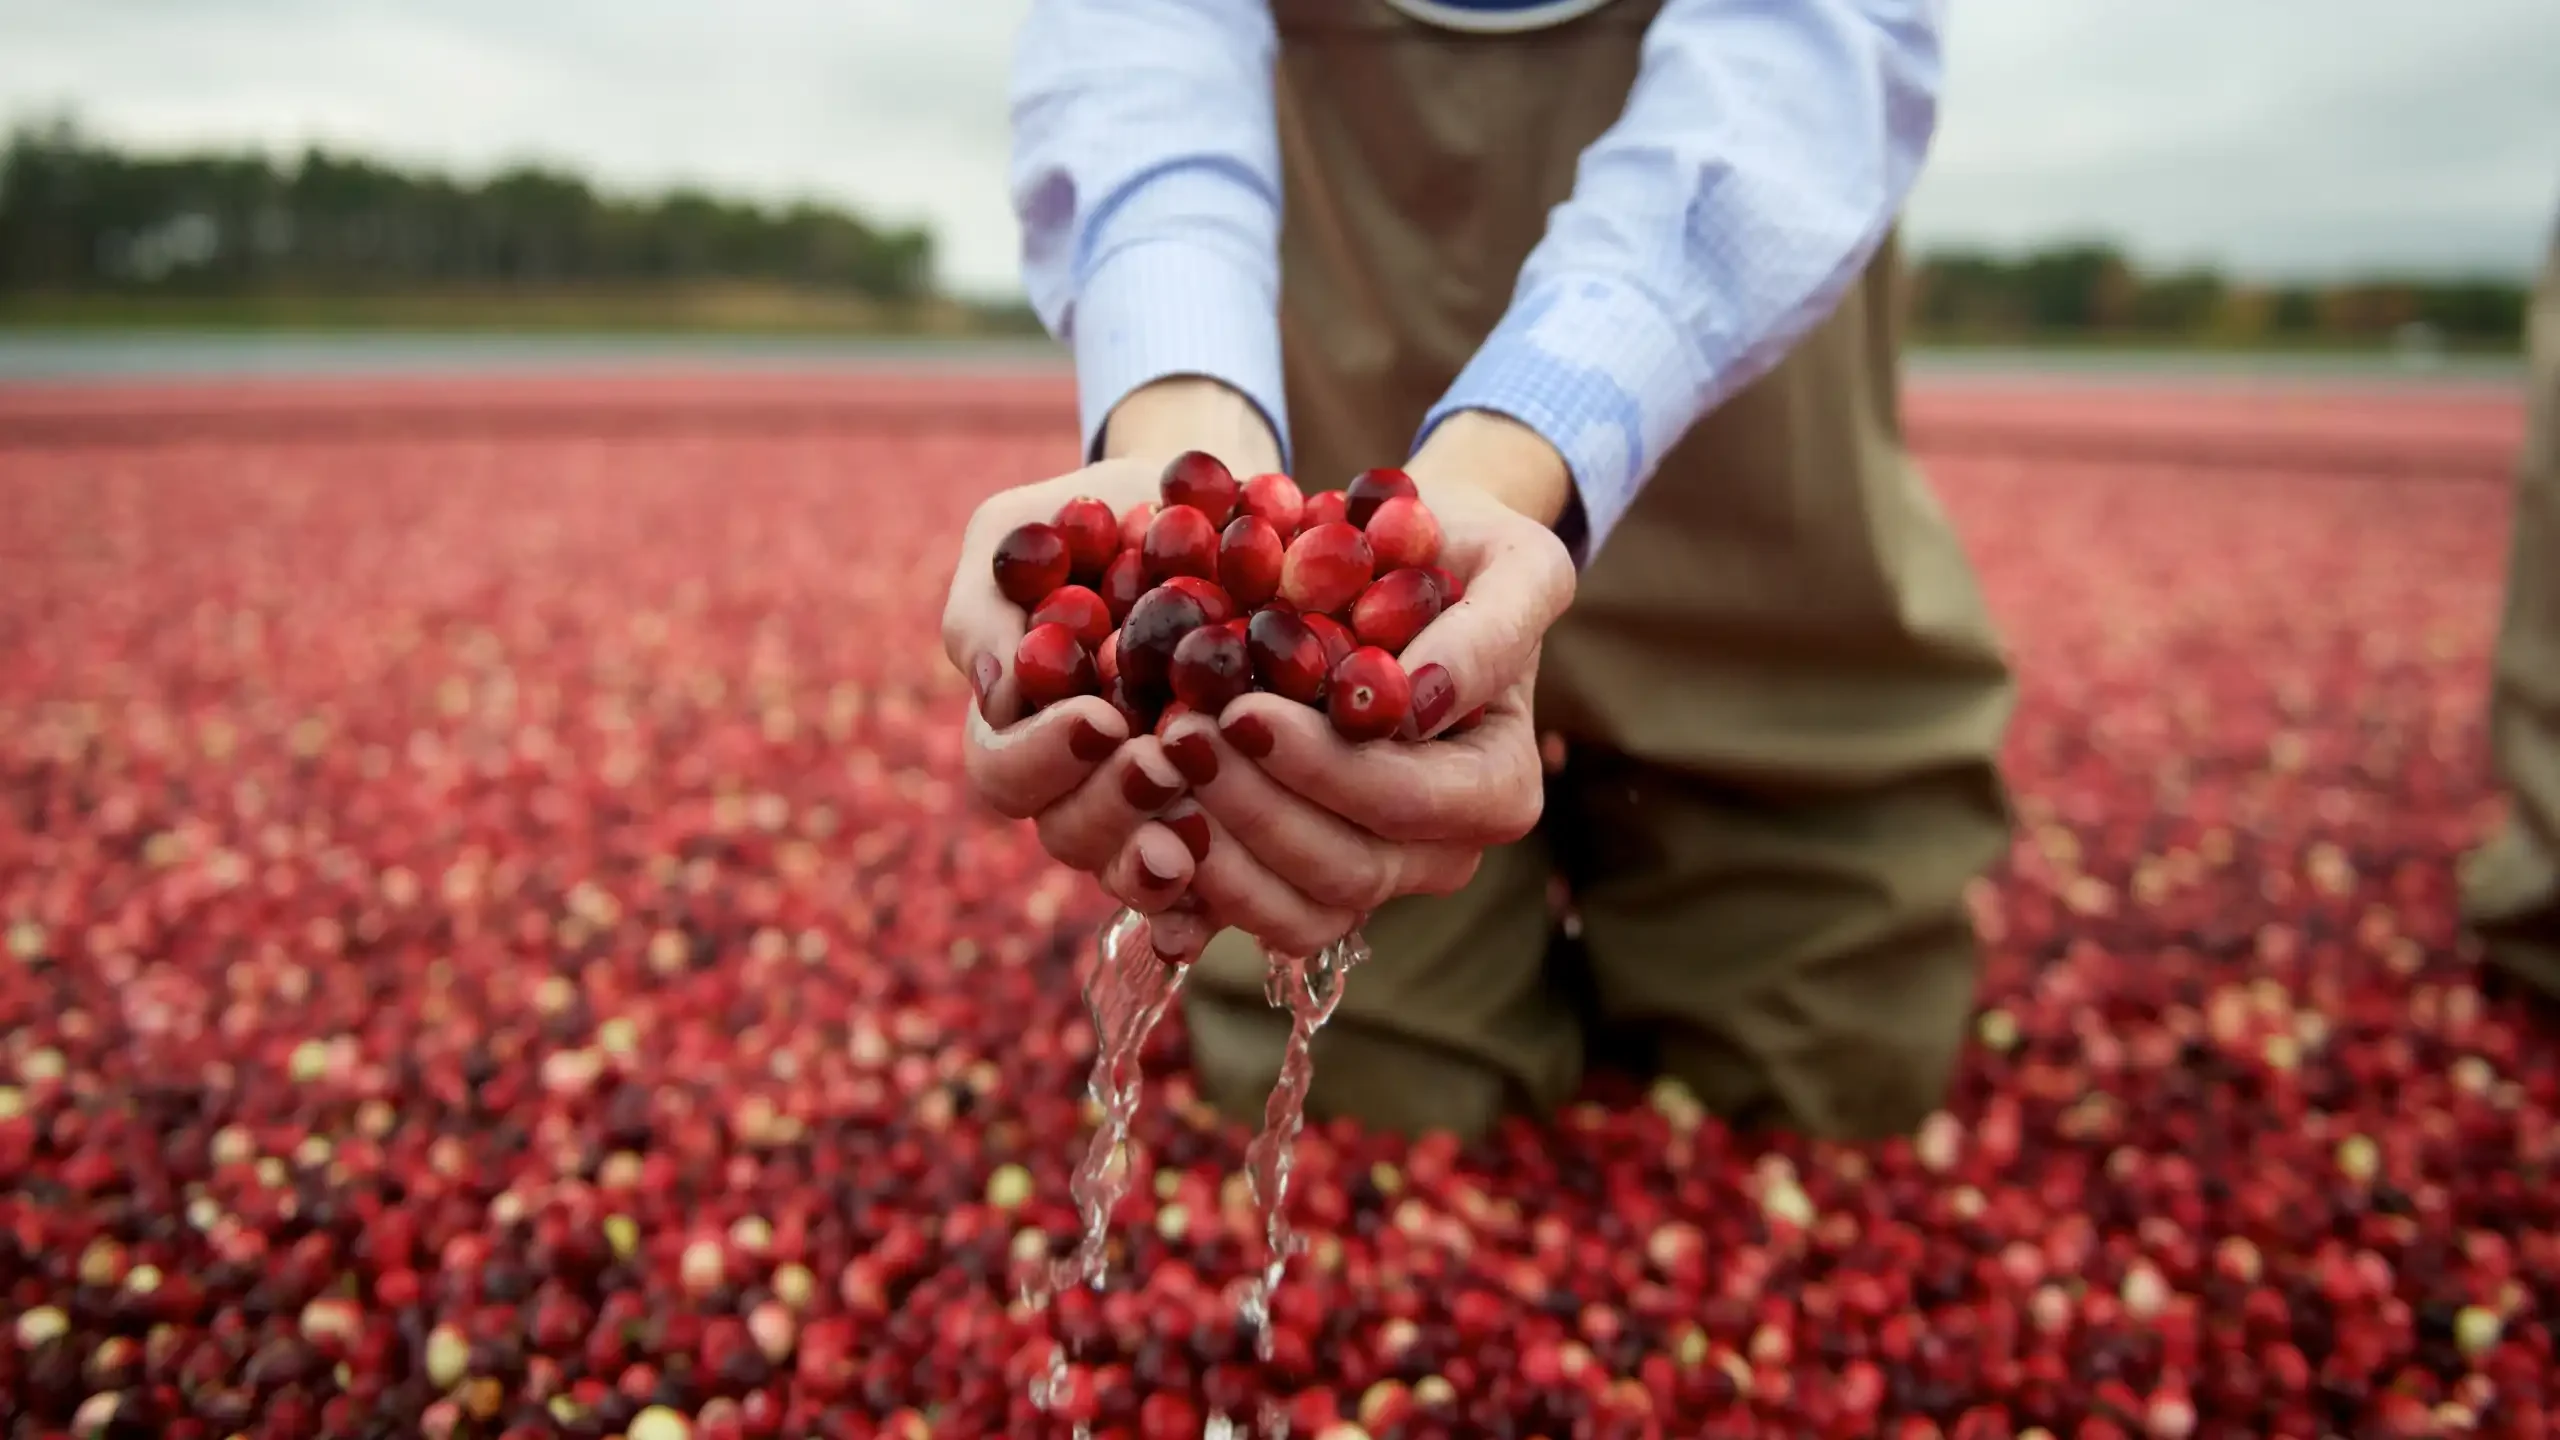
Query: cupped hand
x: 1300, y: 833
x: 1074, y: 767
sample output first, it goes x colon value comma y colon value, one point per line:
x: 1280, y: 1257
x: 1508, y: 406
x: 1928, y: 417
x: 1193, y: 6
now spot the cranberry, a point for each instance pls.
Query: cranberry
x: 1452, y: 590
x: 1325, y: 570
x: 1210, y: 668
x: 1275, y: 500
x: 1134, y: 523
x: 1372, y: 488
x: 1287, y: 657
x: 1395, y: 609
x: 1031, y: 562
x: 1368, y: 695
x: 1106, y: 659
x: 1325, y: 507
x: 1403, y: 534
x: 1334, y: 636
x: 1249, y: 556
x: 1181, y: 542
x: 1123, y: 581
x: 1092, y: 534
x: 1080, y: 610
x: 1051, y: 665
x: 1215, y: 605
x: 1201, y: 482
x: 1156, y: 624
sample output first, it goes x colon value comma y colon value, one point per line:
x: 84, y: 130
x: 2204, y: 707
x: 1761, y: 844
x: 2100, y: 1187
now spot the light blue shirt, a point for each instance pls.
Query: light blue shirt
x: 1765, y: 150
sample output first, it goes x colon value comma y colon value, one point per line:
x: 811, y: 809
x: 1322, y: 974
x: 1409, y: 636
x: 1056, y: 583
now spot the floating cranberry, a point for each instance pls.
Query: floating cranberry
x: 1201, y: 482
x: 1031, y: 562
x: 1325, y: 570
x: 1368, y: 696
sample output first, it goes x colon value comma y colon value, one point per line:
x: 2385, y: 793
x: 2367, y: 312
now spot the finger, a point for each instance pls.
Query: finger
x: 1313, y: 850
x: 1024, y: 769
x: 1241, y: 892
x: 980, y: 628
x: 1483, y: 787
x: 1151, y: 873
x: 1487, y: 642
x: 1090, y: 827
x: 1180, y: 933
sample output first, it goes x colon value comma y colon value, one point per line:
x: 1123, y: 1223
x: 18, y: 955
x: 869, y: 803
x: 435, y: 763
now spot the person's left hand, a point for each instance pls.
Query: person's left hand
x: 1300, y: 833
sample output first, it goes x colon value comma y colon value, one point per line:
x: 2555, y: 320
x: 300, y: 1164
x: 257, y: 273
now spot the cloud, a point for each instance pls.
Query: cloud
x: 2268, y: 137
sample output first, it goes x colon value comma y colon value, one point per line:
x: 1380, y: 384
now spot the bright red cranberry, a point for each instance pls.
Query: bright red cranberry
x: 1395, y: 609
x: 1123, y: 581
x: 1287, y: 657
x: 1181, y: 542
x: 1106, y: 659
x: 1239, y: 627
x: 1156, y: 624
x: 1202, y: 482
x: 1325, y: 507
x: 1134, y: 522
x: 1372, y: 488
x: 1080, y: 610
x: 1403, y: 534
x: 1214, y: 602
x: 1031, y: 562
x: 1092, y: 534
x: 1277, y: 501
x: 1050, y: 665
x: 1325, y: 570
x: 1249, y: 555
x: 1210, y: 668
x: 1368, y: 695
x: 1334, y: 636
x: 1452, y: 589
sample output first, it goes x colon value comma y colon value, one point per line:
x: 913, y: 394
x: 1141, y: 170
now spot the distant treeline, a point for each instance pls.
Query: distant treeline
x: 85, y: 223
x: 2092, y: 291
x: 76, y: 215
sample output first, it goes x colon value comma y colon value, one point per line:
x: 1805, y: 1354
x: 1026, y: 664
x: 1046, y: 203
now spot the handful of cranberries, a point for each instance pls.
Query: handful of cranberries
x: 1223, y: 588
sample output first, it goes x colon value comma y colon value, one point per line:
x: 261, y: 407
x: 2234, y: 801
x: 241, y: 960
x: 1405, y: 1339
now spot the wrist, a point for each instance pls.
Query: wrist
x: 1493, y: 453
x: 1163, y: 418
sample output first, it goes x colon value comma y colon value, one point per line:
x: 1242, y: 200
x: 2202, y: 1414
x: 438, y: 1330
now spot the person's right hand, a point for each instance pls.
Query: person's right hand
x: 1093, y: 789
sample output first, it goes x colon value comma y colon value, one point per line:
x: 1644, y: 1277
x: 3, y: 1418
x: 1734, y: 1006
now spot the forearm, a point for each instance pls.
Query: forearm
x: 1762, y: 156
x: 1146, y: 179
x: 1188, y: 412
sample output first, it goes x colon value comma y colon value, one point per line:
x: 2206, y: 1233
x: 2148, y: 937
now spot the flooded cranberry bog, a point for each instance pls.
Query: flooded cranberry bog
x: 497, y: 945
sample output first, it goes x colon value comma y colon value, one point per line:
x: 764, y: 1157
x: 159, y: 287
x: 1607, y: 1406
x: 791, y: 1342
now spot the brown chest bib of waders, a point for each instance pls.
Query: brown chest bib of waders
x: 2511, y: 888
x: 1782, y: 696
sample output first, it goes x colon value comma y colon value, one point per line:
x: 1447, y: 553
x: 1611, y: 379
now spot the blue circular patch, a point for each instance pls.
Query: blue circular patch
x: 1495, y: 17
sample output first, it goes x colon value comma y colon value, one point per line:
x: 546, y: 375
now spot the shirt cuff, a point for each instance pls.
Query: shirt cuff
x: 1598, y: 369
x: 1155, y: 309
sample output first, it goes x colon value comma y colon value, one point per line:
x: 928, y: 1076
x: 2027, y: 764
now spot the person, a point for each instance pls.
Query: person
x: 1616, y: 280
x: 2511, y: 885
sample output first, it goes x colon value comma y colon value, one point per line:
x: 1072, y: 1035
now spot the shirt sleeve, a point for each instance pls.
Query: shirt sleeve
x: 1764, y: 152
x: 1146, y: 177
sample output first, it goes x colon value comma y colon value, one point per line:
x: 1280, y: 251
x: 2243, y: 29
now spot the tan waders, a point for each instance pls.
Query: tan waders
x: 1782, y: 694
x: 2511, y: 889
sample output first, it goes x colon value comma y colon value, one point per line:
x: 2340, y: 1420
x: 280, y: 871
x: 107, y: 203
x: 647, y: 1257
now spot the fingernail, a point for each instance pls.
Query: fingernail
x: 1194, y: 756
x: 1156, y: 879
x: 984, y: 671
x: 1193, y: 829
x: 1144, y: 791
x: 1433, y: 693
x: 1086, y: 740
x: 1250, y: 734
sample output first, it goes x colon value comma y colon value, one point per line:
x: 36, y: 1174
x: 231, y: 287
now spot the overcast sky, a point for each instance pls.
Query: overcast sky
x: 2270, y: 136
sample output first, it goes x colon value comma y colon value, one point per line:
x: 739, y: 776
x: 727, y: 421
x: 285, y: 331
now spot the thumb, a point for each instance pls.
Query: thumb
x: 1480, y: 646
